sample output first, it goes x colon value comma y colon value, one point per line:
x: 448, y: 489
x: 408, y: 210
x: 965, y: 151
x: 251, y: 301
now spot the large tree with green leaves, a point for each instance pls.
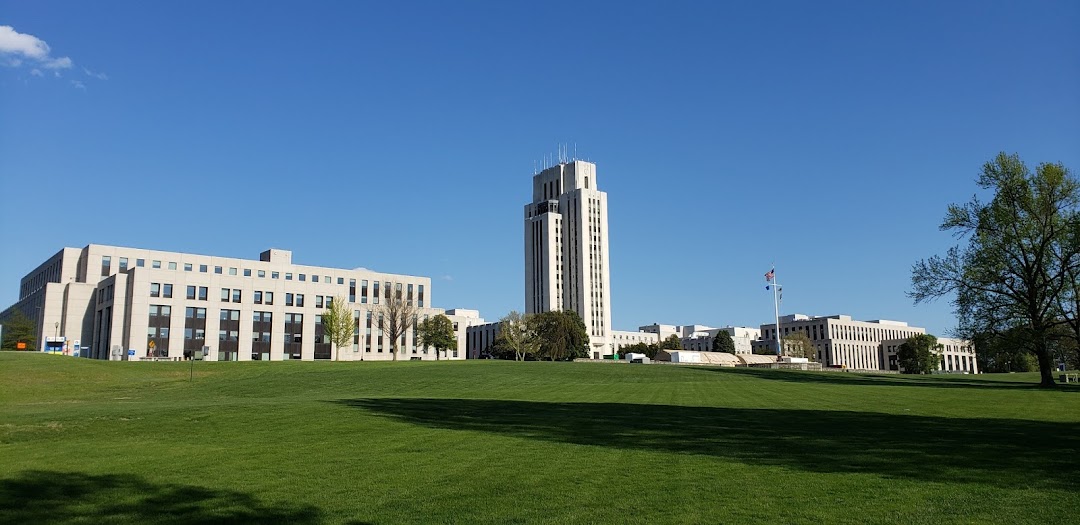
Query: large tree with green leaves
x: 519, y: 334
x: 723, y: 342
x: 672, y: 342
x: 560, y: 335
x: 919, y: 354
x: 338, y: 325
x: 19, y: 328
x: 437, y: 332
x: 1019, y: 259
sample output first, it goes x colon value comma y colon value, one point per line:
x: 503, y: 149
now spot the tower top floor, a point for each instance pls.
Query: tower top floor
x: 563, y: 178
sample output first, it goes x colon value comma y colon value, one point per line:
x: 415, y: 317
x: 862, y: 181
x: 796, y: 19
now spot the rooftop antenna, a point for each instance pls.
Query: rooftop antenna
x: 575, y: 150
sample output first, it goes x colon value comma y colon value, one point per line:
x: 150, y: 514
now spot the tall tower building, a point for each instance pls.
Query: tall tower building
x: 566, y: 249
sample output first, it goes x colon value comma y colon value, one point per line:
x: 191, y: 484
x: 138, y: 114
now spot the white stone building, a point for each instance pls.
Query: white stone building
x: 956, y: 355
x: 566, y: 249
x: 699, y: 338
x: 839, y: 340
x: 110, y: 302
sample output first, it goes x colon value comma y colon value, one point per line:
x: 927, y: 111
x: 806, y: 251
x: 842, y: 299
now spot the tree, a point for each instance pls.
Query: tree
x: 19, y: 328
x: 338, y: 325
x: 723, y: 342
x: 919, y: 354
x: 519, y: 334
x: 500, y: 349
x: 1003, y: 352
x: 673, y: 342
x: 1016, y: 267
x: 560, y: 335
x: 437, y: 332
x: 396, y: 316
x: 799, y: 345
x: 639, y: 348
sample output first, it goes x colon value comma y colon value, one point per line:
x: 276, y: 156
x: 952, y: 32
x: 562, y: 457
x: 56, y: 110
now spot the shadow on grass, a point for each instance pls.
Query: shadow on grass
x: 997, y: 452
x: 853, y: 378
x: 71, y: 497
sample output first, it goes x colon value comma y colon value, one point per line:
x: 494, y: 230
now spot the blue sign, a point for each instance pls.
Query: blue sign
x: 131, y: 353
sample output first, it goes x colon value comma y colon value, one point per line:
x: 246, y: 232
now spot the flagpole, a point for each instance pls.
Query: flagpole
x: 776, y: 307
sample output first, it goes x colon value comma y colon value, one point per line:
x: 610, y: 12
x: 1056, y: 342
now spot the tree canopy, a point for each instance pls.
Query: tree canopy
x: 438, y: 333
x: 919, y: 354
x: 561, y: 335
x: 1019, y: 266
x: 338, y: 325
x: 723, y: 342
x: 672, y: 342
x: 519, y: 334
x: 19, y: 328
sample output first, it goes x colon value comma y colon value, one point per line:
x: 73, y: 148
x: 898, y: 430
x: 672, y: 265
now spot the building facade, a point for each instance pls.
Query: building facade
x: 699, y: 338
x: 839, y: 340
x: 118, y: 303
x: 955, y: 355
x: 566, y: 249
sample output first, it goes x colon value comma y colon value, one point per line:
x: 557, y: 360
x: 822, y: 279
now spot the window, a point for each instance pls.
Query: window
x: 155, y: 264
x: 232, y: 271
x: 202, y: 293
x: 329, y: 301
x: 247, y: 272
x: 123, y: 263
x: 262, y: 273
x: 288, y: 299
x: 274, y: 275
x: 187, y: 267
x: 257, y: 297
x: 303, y: 277
x: 352, y: 289
x: 341, y: 280
x: 326, y: 279
x: 314, y: 278
x: 172, y: 266
x: 225, y: 295
x: 217, y: 270
x: 269, y: 297
x: 288, y: 276
x: 375, y: 292
x: 202, y: 268
x: 318, y: 301
x: 106, y: 262
x: 299, y: 299
x: 190, y: 292
x: 140, y: 262
x: 236, y: 295
x: 166, y: 291
x: 363, y: 291
x: 155, y: 290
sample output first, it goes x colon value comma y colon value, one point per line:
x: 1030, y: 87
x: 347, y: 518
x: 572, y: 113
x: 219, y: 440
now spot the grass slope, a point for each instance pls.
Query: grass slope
x: 501, y: 442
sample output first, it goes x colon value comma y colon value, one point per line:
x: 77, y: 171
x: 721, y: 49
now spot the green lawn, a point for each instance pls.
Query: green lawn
x: 501, y: 442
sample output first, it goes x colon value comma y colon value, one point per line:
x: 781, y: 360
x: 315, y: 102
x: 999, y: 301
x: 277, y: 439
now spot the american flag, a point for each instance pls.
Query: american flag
x: 769, y: 275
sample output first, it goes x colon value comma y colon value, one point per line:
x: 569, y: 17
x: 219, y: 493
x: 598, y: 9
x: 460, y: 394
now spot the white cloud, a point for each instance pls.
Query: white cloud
x: 99, y: 76
x: 15, y: 47
x: 78, y: 84
x: 16, y: 43
x: 447, y: 278
x: 57, y: 63
x: 36, y: 72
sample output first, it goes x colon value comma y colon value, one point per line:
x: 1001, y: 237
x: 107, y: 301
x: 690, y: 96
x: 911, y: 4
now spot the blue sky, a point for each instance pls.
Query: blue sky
x: 826, y: 138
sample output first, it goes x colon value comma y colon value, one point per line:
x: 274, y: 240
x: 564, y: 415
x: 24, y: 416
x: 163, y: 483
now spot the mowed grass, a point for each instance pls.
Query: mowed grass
x: 501, y: 442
